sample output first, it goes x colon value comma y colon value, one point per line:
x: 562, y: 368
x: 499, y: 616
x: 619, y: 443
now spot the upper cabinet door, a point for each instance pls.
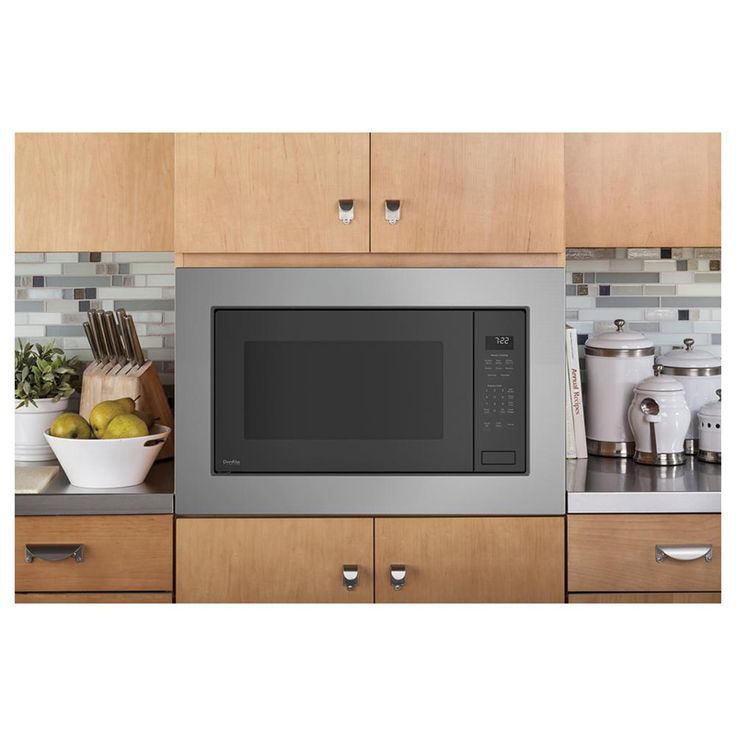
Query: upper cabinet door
x: 643, y: 189
x: 468, y: 192
x: 94, y: 191
x: 271, y: 192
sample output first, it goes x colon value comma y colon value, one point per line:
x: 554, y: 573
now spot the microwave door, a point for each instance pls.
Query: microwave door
x: 343, y: 391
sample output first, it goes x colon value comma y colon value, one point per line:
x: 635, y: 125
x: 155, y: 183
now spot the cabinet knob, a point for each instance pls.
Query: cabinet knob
x: 350, y: 576
x: 54, y: 552
x: 346, y: 210
x: 392, y: 211
x: 397, y: 575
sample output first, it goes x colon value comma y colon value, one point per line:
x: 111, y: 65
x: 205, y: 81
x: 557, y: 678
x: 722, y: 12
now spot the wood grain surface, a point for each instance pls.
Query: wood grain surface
x: 94, y: 191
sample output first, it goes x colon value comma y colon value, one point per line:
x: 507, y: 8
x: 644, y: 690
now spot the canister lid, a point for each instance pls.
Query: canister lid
x: 659, y: 382
x: 619, y: 342
x: 711, y: 410
x: 689, y: 357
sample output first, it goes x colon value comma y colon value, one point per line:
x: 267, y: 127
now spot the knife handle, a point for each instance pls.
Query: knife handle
x: 99, y: 322
x: 137, y: 350
x: 127, y: 344
x: 92, y: 341
x: 112, y: 337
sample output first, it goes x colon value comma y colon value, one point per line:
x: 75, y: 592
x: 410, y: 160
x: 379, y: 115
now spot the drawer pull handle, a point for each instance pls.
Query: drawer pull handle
x: 397, y: 575
x: 350, y: 576
x: 346, y: 210
x: 683, y: 552
x: 54, y: 552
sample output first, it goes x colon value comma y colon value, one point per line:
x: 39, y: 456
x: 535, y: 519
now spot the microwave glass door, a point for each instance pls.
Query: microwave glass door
x: 343, y: 391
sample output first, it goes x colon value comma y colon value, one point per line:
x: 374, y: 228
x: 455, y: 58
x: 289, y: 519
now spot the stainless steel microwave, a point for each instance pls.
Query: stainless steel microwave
x: 370, y: 391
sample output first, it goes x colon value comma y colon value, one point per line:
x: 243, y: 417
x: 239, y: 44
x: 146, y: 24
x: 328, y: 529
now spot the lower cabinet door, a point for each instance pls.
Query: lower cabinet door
x: 274, y: 560
x: 470, y: 560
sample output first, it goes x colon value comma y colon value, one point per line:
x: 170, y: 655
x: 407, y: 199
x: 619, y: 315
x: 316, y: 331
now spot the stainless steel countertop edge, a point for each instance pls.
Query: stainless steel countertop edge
x: 685, y: 502
x: 88, y: 504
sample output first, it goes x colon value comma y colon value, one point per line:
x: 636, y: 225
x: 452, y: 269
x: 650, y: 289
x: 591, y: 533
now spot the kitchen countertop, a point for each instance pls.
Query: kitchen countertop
x: 60, y: 497
x: 602, y: 485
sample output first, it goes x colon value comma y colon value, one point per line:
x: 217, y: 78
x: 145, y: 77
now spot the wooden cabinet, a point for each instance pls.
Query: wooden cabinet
x: 468, y: 192
x: 94, y: 191
x: 273, y: 560
x: 271, y: 192
x: 642, y: 189
x: 471, y: 560
x: 619, y: 553
x: 644, y: 598
x: 93, y: 598
x: 119, y: 553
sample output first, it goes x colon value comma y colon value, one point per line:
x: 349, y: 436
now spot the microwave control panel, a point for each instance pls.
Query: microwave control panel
x: 500, y: 406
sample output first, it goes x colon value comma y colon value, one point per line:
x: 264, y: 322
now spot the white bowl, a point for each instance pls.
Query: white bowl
x: 108, y: 463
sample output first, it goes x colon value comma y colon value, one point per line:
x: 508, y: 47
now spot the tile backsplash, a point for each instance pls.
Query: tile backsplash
x: 666, y: 293
x: 54, y: 291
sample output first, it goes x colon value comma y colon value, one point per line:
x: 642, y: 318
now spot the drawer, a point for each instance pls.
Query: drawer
x: 93, y: 598
x: 118, y: 553
x: 644, y: 598
x: 618, y: 552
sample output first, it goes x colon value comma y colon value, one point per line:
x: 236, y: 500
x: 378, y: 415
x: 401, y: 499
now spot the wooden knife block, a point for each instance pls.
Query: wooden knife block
x: 100, y: 385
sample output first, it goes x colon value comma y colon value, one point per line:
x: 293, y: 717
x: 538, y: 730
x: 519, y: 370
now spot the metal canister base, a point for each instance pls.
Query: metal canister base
x: 709, y: 456
x: 610, y: 449
x: 691, y: 447
x: 659, y: 458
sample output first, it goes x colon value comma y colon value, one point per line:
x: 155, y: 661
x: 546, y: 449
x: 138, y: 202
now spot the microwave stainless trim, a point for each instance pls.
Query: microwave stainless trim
x: 201, y: 492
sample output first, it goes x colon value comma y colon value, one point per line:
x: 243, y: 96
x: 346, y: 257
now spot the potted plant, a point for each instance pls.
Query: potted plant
x: 44, y: 380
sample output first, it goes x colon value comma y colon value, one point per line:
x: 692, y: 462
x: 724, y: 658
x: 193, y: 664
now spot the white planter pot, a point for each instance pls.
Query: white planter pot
x: 30, y: 424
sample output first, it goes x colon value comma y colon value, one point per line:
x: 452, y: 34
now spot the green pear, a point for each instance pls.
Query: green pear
x: 70, y: 426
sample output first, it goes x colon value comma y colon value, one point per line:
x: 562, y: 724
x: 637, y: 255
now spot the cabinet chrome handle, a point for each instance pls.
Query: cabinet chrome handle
x: 397, y: 575
x: 346, y: 210
x: 350, y: 576
x: 54, y: 552
x: 392, y: 211
x: 683, y: 552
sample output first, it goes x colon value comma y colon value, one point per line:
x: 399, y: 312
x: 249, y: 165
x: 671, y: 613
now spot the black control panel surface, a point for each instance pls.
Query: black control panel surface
x: 500, y: 407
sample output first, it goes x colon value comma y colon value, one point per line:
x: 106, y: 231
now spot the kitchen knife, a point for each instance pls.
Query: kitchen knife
x: 117, y: 342
x: 92, y: 341
x: 137, y: 350
x: 127, y: 344
x: 99, y: 328
x: 110, y: 338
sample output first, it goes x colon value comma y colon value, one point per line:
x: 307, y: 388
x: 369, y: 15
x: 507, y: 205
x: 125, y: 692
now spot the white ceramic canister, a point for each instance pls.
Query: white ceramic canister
x: 659, y: 417
x: 709, y: 418
x: 700, y: 374
x: 614, y: 363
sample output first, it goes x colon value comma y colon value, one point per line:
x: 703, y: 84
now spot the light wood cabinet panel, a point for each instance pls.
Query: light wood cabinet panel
x: 468, y: 192
x: 644, y: 598
x: 472, y: 560
x: 271, y: 192
x: 94, y: 191
x: 93, y: 598
x: 284, y: 560
x: 120, y: 553
x: 643, y: 189
x: 616, y: 552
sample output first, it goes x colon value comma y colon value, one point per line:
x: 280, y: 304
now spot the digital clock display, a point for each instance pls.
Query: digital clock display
x: 504, y: 342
